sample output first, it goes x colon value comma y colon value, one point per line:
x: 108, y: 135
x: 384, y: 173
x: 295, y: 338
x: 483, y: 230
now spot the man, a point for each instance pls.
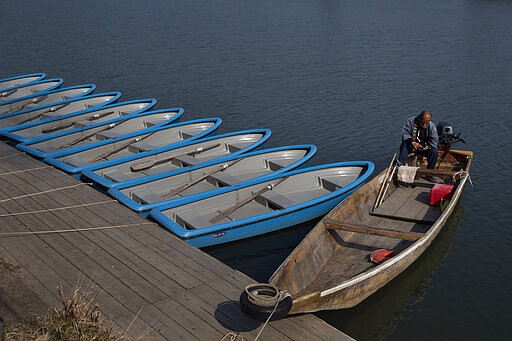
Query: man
x: 419, y: 135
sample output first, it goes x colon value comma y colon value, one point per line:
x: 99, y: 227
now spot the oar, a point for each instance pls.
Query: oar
x: 199, y: 179
x: 245, y: 201
x: 7, y: 93
x: 51, y: 109
x: 151, y: 163
x: 387, y: 185
x: 33, y: 101
x: 83, y: 137
x: 123, y: 146
x: 376, y: 204
x: 69, y: 124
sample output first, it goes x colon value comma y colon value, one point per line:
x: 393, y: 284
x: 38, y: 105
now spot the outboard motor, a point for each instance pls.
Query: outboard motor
x: 447, y: 136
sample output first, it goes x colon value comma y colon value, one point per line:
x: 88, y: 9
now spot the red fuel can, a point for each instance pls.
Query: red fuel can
x: 440, y: 192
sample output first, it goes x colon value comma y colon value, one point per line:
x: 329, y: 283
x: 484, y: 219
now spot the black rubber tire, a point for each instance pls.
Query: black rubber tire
x: 262, y: 313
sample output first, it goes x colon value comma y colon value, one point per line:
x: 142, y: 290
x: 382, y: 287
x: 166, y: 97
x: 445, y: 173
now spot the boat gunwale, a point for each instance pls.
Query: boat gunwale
x: 111, y: 98
x: 63, y: 165
x: 404, y: 256
x: 184, y: 233
x: 90, y: 172
x: 42, y: 137
x: 38, y: 75
x: 427, y: 238
x: 90, y: 89
x: 115, y: 191
x: 139, y: 114
x: 58, y: 82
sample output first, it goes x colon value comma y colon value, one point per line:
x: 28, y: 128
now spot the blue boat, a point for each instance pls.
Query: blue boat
x: 263, y: 205
x: 80, y: 158
x: 174, y: 158
x: 209, y: 178
x: 28, y: 91
x: 49, y: 127
x: 47, y: 98
x: 53, y: 111
x: 8, y: 84
x: 92, y: 132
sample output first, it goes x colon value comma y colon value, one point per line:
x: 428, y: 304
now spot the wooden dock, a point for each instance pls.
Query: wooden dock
x: 57, y: 232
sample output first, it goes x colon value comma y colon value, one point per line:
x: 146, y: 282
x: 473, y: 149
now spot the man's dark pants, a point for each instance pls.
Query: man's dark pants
x: 406, y: 149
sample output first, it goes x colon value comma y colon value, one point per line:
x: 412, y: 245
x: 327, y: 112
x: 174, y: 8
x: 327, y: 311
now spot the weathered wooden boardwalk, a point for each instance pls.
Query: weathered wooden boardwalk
x: 56, y: 232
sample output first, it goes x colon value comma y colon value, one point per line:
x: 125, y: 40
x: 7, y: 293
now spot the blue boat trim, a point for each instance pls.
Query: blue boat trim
x: 114, y: 97
x: 89, y: 91
x: 11, y: 133
x: 40, y: 76
x: 89, y: 172
x: 58, y: 83
x: 266, y: 222
x: 116, y: 190
x: 26, y: 147
x: 53, y: 160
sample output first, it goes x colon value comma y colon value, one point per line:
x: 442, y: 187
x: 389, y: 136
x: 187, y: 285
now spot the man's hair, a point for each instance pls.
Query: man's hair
x: 425, y: 112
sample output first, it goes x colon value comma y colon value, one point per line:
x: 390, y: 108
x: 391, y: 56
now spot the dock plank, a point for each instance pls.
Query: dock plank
x: 149, y: 283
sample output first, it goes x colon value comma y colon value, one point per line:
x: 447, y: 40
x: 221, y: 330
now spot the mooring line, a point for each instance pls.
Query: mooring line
x: 56, y: 209
x: 10, y: 155
x: 25, y: 233
x: 44, y: 192
x: 25, y: 170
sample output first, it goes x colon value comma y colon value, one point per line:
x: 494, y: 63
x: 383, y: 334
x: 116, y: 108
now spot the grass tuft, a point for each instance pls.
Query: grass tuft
x: 78, y: 319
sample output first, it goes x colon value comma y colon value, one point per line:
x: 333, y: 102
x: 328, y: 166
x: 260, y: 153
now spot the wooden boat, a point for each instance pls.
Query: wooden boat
x: 26, y: 92
x: 49, y: 127
x: 174, y: 158
x: 34, y: 116
x: 77, y: 159
x: 7, y: 84
x: 130, y: 117
x: 209, y: 178
x: 47, y: 98
x: 262, y: 205
x: 391, y: 222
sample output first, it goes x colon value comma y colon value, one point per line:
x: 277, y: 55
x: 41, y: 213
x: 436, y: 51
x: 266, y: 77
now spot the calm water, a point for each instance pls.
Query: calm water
x: 340, y: 74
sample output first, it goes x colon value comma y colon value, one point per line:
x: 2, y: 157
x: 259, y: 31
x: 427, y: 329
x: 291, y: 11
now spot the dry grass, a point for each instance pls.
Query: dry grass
x: 9, y: 266
x: 78, y: 319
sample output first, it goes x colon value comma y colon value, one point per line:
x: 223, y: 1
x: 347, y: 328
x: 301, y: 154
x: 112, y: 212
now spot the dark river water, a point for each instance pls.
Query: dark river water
x: 341, y: 74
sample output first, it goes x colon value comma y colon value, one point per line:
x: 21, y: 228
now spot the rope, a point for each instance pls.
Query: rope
x: 25, y: 170
x: 233, y: 337
x: 10, y: 155
x: 461, y: 173
x: 262, y: 294
x: 55, y: 209
x: 281, y: 293
x: 44, y: 192
x: 25, y: 233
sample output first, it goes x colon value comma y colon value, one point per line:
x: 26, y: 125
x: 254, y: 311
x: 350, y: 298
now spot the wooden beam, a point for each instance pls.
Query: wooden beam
x: 376, y: 231
x: 434, y: 172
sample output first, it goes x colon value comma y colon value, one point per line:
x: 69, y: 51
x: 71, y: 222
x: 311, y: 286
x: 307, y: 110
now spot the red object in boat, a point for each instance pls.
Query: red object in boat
x: 439, y: 193
x: 381, y: 255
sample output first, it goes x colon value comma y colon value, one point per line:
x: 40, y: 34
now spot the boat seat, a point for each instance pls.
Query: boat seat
x: 190, y: 133
x: 329, y: 185
x: 276, y: 164
x: 146, y: 197
x: 84, y: 123
x: 225, y: 179
x: 104, y: 135
x: 233, y: 147
x: 276, y: 200
x: 138, y: 147
x: 152, y: 123
x: 192, y: 221
x: 184, y: 160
